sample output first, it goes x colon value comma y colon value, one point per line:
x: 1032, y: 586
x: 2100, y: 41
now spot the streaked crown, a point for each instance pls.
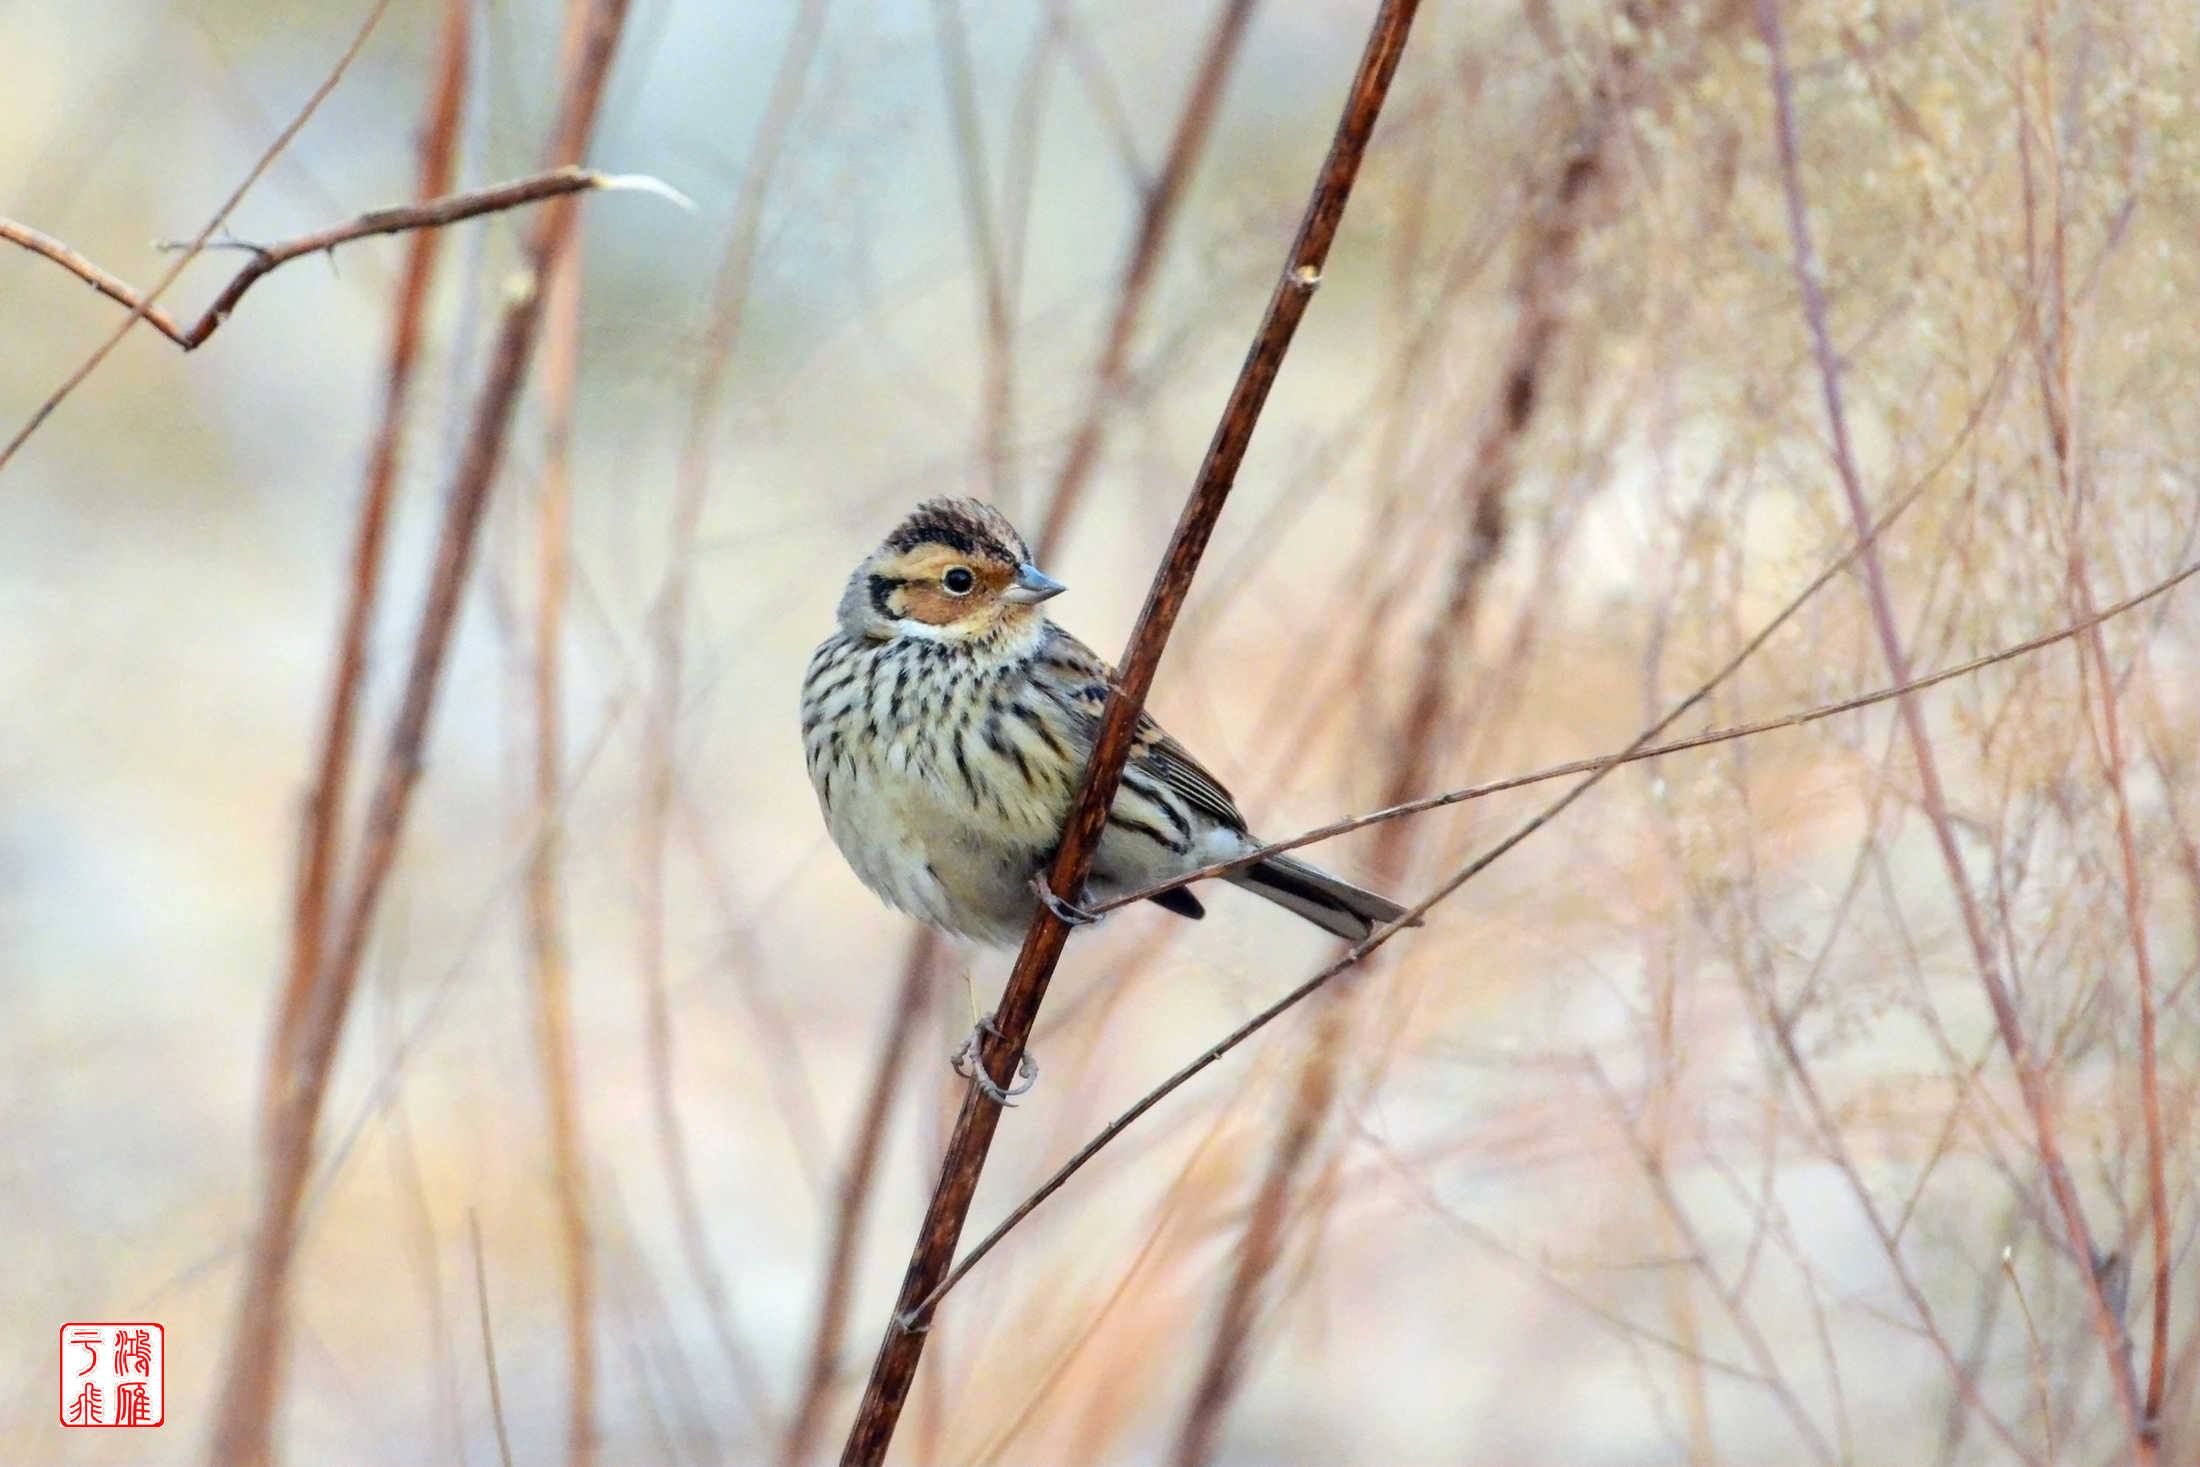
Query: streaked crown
x: 954, y: 571
x: 967, y: 526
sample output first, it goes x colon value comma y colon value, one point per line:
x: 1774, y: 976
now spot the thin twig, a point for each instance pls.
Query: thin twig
x: 1919, y: 482
x: 2056, y: 352
x: 903, y: 1345
x: 857, y: 1182
x: 2037, y: 1355
x: 1162, y: 200
x: 1026, y: 140
x: 488, y: 1339
x: 1595, y: 769
x: 298, y: 1077
x: 1542, y: 284
x: 143, y: 307
x: 1732, y: 1304
x: 1260, y: 1244
x: 434, y: 213
x: 977, y: 203
x: 410, y: 1185
x: 1825, y: 1119
x: 325, y: 806
x: 545, y: 899
x: 1635, y: 753
x: 668, y: 628
x: 2031, y: 1082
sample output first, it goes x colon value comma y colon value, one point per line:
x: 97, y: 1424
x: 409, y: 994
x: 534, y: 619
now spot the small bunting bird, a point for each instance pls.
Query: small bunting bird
x: 946, y: 723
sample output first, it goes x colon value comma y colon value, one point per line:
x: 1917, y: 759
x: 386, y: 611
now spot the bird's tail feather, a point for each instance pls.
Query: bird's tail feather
x: 1330, y: 903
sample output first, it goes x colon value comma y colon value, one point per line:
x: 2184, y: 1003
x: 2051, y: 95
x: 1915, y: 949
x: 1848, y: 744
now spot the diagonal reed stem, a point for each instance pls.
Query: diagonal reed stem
x: 903, y: 1345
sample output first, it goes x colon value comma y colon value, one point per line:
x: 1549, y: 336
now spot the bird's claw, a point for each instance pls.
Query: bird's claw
x: 1067, y: 912
x: 969, y: 1063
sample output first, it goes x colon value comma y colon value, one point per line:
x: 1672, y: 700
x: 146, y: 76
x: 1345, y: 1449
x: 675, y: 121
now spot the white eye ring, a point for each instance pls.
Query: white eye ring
x: 958, y: 581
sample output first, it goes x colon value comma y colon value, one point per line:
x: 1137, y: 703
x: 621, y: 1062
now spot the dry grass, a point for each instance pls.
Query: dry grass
x: 1748, y: 1109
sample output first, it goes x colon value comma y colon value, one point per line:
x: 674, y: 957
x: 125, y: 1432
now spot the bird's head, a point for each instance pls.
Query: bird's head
x: 954, y: 571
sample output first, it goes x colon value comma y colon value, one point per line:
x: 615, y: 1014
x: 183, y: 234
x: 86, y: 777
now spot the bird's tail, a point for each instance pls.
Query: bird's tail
x: 1328, y: 902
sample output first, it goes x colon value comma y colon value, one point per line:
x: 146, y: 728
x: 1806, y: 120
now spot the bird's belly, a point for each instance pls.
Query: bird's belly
x: 925, y: 849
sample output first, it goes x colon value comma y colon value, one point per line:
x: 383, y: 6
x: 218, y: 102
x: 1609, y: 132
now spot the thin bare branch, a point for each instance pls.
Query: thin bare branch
x: 2030, y: 1079
x: 143, y: 307
x: 1594, y: 768
x: 999, y: 328
x: 903, y: 1345
x: 546, y: 945
x: 668, y: 629
x: 434, y: 213
x: 1259, y: 1246
x: 857, y: 1182
x: 325, y: 806
x: 1162, y: 201
x: 1541, y: 295
x: 1635, y: 753
x: 2056, y: 349
x: 298, y: 1077
x: 488, y: 1340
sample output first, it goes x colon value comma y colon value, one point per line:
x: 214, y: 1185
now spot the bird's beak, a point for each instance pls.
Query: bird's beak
x: 1032, y: 586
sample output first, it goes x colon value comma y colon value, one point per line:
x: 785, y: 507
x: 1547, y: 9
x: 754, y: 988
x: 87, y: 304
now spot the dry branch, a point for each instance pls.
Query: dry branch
x: 325, y: 806
x: 996, y: 317
x: 668, y: 667
x: 1158, y: 214
x: 1636, y: 753
x: 2055, y: 347
x: 298, y: 1073
x: 903, y: 1345
x: 857, y: 1182
x: 431, y: 214
x: 1542, y: 285
x: 1596, y: 769
x: 545, y: 918
x: 143, y: 306
x: 2024, y: 1059
x: 488, y: 1341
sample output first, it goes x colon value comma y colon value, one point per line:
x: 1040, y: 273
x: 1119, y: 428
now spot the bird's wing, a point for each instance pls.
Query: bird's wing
x: 1156, y: 751
x: 1080, y: 679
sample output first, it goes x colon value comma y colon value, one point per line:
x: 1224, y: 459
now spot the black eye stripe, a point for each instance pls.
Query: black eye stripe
x: 881, y: 588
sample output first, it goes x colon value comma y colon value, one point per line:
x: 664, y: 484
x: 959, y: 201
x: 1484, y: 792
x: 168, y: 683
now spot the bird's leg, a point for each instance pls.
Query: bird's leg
x: 969, y: 1063
x: 1068, y: 912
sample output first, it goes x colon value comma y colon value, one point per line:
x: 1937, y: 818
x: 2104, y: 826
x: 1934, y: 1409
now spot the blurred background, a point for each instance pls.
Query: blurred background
x: 1684, y: 1132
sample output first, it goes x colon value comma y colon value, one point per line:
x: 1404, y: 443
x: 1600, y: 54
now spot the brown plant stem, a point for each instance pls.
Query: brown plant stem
x: 1595, y: 769
x: 668, y: 630
x: 903, y: 1345
x: 2056, y: 353
x: 1260, y: 1245
x: 2031, y: 1081
x: 996, y: 318
x: 488, y: 1341
x: 298, y: 1077
x: 852, y: 1200
x: 141, y: 307
x: 1542, y: 281
x: 1634, y: 754
x: 1163, y: 198
x: 432, y: 213
x: 325, y: 806
x: 545, y: 902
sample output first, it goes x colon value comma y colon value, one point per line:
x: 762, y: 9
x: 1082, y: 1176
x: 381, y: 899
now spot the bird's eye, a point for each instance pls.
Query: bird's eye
x: 959, y: 581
